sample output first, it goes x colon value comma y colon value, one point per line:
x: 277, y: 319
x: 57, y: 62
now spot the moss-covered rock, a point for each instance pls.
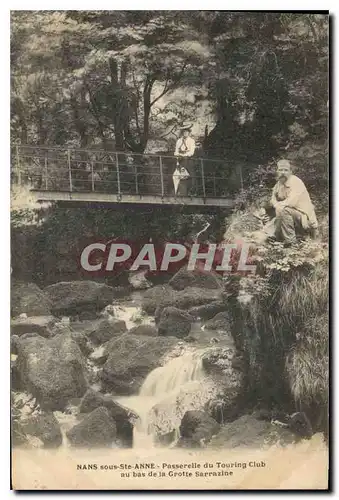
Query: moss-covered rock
x: 131, y: 358
x: 74, y: 297
x: 28, y: 298
x: 97, y: 429
x: 174, y: 322
x: 52, y: 370
x: 197, y: 278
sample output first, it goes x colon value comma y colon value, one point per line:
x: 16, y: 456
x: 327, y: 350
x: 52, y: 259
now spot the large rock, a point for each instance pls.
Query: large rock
x: 33, y: 324
x: 30, y: 299
x: 220, y: 364
x: 78, y: 337
x: 221, y: 361
x: 97, y: 429
x: 221, y: 321
x: 207, y: 311
x: 104, y: 330
x: 197, y: 278
x: 148, y: 330
x: 166, y: 415
x: 225, y: 407
x: 122, y: 417
x: 249, y: 432
x: 299, y: 424
x: 131, y: 358
x: 45, y: 427
x: 241, y: 225
x: 15, y: 376
x: 76, y: 297
x: 161, y: 296
x: 51, y: 370
x: 174, y: 322
x: 196, y: 429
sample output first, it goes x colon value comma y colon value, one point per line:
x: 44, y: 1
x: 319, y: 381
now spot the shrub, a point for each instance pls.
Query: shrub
x: 307, y: 363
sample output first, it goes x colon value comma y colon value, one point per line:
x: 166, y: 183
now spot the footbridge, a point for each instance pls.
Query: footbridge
x: 58, y: 174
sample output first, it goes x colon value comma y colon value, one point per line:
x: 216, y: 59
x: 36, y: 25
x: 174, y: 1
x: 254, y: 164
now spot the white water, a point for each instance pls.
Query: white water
x: 132, y: 314
x: 167, y: 393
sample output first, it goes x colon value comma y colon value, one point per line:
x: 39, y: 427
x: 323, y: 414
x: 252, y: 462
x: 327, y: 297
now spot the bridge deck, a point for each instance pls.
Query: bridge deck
x: 89, y: 197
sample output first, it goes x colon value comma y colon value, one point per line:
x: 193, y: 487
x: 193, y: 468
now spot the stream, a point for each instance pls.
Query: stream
x: 168, y: 391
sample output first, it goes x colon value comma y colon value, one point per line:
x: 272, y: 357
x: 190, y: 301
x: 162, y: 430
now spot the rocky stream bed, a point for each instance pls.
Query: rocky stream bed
x: 94, y: 366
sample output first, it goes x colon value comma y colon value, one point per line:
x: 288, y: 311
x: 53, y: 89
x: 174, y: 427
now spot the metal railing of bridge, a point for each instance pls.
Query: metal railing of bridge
x: 92, y: 170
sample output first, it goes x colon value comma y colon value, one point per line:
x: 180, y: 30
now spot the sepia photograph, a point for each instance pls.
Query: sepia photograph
x: 169, y: 227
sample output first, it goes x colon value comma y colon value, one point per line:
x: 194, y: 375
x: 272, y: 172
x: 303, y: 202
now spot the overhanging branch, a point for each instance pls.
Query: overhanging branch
x: 168, y: 87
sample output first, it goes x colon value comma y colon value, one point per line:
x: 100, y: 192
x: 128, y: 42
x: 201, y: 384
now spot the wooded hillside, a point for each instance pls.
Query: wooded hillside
x: 255, y: 85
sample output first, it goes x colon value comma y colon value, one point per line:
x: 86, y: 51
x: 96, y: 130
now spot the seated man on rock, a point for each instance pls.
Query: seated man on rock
x: 294, y: 211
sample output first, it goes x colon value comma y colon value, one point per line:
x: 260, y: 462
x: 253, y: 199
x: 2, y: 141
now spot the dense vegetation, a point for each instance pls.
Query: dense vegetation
x: 122, y: 79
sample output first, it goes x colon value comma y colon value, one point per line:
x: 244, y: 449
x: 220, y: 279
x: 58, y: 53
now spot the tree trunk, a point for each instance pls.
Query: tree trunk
x: 147, y: 110
x: 117, y: 115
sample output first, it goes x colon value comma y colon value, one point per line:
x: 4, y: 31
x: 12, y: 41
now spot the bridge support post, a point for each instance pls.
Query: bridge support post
x: 240, y: 176
x: 46, y: 172
x: 136, y: 179
x: 18, y: 169
x: 118, y: 173
x: 92, y: 175
x: 203, y: 177
x: 161, y: 177
x: 69, y: 169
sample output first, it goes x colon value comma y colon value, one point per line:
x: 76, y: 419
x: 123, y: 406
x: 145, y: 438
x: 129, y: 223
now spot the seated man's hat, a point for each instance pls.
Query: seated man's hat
x: 284, y: 163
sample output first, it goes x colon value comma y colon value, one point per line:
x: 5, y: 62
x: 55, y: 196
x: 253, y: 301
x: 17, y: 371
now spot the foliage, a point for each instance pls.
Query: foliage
x: 25, y: 211
x: 307, y: 362
x: 282, y: 312
x: 121, y: 78
x: 273, y: 93
x: 274, y: 256
x: 90, y: 77
x: 275, y: 316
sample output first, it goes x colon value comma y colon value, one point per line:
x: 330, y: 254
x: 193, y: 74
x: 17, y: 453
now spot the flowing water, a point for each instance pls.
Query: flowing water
x: 170, y: 390
x: 167, y: 393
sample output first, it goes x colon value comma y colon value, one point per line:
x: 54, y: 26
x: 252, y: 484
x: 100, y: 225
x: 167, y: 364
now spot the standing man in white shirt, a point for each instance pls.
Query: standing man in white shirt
x: 184, y: 149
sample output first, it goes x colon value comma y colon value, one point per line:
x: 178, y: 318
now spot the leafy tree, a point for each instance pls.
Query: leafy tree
x: 102, y: 72
x: 274, y: 81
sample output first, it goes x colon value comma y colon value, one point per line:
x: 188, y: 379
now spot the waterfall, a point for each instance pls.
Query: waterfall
x: 173, y: 375
x: 166, y: 394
